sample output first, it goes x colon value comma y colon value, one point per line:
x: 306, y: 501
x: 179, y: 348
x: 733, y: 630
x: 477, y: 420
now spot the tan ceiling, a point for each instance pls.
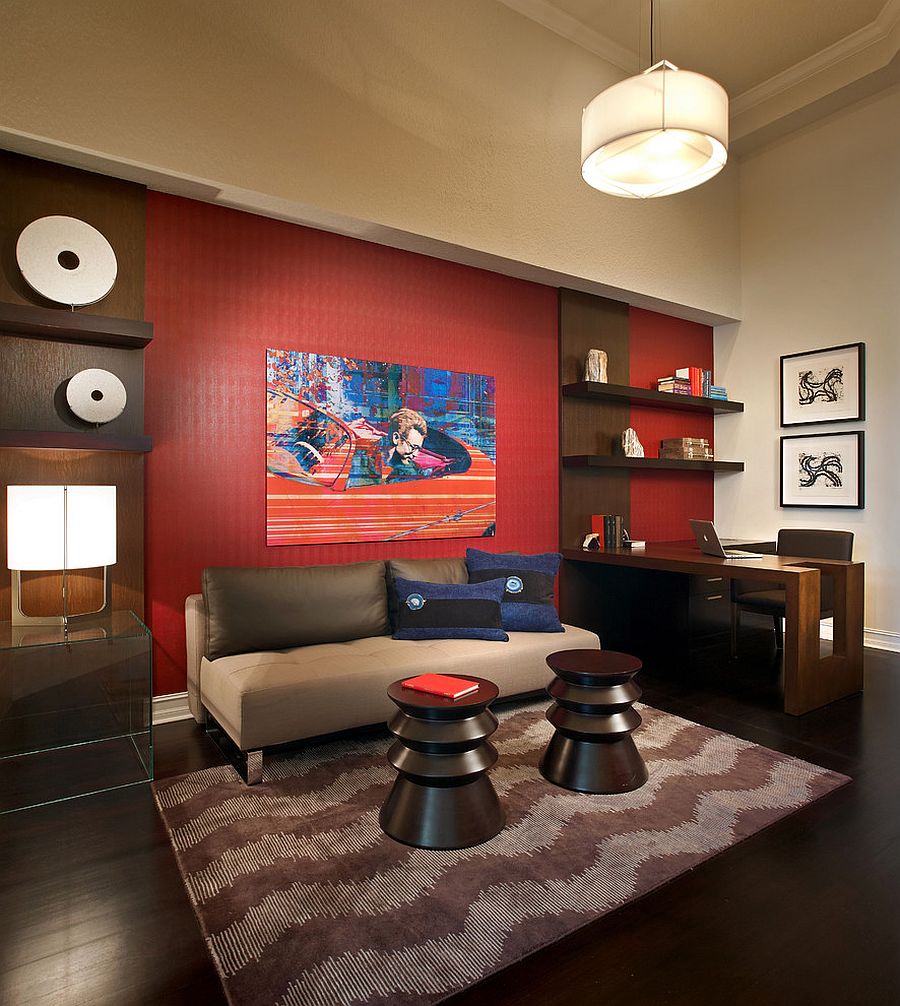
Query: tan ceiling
x: 740, y: 43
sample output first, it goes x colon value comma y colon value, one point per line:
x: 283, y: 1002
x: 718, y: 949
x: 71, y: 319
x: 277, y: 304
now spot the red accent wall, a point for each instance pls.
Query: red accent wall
x: 222, y: 286
x: 662, y: 502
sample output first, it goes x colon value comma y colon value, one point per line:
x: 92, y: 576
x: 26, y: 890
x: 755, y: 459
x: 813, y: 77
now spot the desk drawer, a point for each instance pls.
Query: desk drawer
x: 709, y: 585
x: 710, y: 613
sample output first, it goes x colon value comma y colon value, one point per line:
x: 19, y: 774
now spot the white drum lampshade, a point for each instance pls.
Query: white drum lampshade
x: 661, y: 132
x: 59, y: 527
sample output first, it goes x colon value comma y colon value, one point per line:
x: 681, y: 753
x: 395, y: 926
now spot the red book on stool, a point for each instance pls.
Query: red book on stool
x: 441, y: 684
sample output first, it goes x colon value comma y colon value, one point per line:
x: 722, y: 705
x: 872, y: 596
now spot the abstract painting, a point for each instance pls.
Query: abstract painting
x: 361, y: 450
x: 823, y: 470
x: 823, y: 386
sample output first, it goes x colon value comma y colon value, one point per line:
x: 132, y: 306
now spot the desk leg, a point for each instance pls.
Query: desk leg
x: 811, y: 681
x: 801, y: 642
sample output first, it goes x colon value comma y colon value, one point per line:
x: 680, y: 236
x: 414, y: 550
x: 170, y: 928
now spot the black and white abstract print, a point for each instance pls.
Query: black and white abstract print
x: 824, y: 470
x: 820, y: 386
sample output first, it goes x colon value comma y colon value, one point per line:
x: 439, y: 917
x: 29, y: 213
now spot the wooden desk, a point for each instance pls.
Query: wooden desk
x: 810, y: 680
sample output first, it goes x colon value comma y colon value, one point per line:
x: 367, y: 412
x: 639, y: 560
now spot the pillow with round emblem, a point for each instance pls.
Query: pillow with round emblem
x: 449, y: 610
x: 528, y: 595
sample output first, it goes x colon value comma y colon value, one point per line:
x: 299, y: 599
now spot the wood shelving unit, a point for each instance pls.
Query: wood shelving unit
x: 648, y: 398
x: 74, y: 441
x: 69, y: 326
x: 647, y: 464
x: 594, y: 477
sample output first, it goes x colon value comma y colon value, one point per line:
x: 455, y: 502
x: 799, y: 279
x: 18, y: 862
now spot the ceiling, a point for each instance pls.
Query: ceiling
x: 787, y: 61
x: 741, y: 44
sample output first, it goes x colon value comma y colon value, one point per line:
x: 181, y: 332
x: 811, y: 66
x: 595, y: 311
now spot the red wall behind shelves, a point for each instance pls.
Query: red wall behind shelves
x: 221, y: 287
x: 662, y: 502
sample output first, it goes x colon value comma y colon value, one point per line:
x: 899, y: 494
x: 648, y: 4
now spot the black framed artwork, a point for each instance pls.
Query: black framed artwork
x: 824, y: 385
x: 823, y: 470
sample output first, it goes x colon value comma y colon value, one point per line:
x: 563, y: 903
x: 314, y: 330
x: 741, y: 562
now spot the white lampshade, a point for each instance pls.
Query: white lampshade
x: 663, y: 131
x: 60, y: 527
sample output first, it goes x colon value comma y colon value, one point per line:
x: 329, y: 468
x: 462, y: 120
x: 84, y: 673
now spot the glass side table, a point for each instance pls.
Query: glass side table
x: 75, y: 709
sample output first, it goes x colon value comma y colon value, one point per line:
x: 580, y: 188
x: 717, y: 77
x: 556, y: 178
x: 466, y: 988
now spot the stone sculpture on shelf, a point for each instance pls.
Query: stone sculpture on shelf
x: 631, y: 446
x: 595, y: 366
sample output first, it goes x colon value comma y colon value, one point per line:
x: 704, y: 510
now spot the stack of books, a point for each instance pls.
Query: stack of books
x: 609, y: 528
x: 686, y: 449
x: 674, y: 385
x: 692, y: 381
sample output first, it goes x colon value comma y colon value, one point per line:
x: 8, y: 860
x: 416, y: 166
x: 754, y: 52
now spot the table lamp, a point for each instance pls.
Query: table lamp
x: 59, y: 528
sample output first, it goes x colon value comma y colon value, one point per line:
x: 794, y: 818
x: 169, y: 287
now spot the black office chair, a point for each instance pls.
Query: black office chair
x: 811, y: 542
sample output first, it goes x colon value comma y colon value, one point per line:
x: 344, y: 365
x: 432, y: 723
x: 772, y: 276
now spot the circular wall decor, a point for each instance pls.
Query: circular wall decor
x: 96, y: 396
x: 66, y: 260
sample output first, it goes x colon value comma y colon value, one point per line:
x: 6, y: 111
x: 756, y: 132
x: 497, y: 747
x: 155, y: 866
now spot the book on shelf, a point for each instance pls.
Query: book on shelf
x: 609, y: 528
x: 695, y: 376
x: 684, y: 442
x: 700, y: 380
x: 442, y: 684
x: 687, y: 455
x: 674, y: 385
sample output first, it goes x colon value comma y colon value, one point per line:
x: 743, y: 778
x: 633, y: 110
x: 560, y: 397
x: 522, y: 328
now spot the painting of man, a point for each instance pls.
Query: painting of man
x: 359, y: 450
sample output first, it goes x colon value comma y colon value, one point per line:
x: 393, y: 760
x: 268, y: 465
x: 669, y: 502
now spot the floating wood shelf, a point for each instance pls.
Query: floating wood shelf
x: 644, y: 464
x: 70, y: 326
x: 651, y: 399
x: 74, y: 441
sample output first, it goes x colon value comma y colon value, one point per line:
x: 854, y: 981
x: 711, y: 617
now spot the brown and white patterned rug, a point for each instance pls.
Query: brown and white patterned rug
x: 304, y: 902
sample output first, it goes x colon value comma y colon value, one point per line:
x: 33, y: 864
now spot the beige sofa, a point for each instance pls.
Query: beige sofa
x: 281, y: 654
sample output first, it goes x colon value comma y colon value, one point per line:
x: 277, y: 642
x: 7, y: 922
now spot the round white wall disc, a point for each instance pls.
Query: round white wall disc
x: 96, y: 396
x: 66, y: 260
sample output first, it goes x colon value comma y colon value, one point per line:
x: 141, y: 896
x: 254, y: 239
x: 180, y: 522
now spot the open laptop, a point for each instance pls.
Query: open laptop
x: 708, y: 542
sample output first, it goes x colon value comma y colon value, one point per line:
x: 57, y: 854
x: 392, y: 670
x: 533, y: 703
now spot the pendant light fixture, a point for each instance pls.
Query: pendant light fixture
x: 661, y: 132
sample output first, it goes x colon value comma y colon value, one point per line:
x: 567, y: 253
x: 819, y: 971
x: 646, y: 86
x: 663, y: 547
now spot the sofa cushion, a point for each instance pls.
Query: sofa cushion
x: 446, y: 570
x: 449, y: 610
x: 278, y: 607
x: 528, y: 599
x: 274, y: 698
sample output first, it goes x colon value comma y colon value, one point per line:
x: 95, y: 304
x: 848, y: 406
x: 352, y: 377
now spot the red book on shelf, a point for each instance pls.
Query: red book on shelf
x: 442, y: 684
x: 695, y: 376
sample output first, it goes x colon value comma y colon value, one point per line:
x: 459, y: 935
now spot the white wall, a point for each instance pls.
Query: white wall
x: 820, y: 254
x: 455, y: 119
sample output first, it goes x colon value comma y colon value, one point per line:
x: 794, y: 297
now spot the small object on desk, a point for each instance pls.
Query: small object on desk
x: 591, y: 541
x: 634, y: 543
x: 442, y: 684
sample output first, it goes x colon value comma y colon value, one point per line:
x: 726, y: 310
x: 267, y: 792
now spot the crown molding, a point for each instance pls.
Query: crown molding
x: 849, y: 69
x: 568, y: 27
x: 849, y: 48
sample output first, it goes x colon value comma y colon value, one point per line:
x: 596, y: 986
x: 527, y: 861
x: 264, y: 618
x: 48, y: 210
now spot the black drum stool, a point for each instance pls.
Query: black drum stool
x: 442, y: 798
x: 592, y: 750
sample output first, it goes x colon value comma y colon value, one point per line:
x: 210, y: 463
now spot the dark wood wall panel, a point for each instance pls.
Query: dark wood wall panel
x: 31, y: 188
x: 32, y: 372
x: 590, y: 426
x: 42, y: 592
x: 35, y: 374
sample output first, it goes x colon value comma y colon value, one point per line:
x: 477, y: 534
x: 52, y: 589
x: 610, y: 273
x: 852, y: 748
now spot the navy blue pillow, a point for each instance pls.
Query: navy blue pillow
x: 528, y: 599
x: 449, y: 610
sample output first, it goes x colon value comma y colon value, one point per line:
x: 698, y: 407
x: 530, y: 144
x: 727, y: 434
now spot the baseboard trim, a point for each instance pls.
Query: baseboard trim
x: 170, y: 708
x: 878, y: 639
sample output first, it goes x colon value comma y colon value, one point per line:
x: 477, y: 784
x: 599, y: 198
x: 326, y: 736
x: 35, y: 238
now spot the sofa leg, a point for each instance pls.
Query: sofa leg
x: 248, y: 764
x: 254, y: 762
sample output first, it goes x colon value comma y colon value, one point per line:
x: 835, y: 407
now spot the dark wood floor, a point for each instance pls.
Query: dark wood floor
x: 92, y: 910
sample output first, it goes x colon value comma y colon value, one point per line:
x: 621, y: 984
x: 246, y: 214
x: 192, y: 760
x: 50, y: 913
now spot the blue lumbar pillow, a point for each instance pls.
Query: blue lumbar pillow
x: 528, y: 596
x: 449, y: 610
